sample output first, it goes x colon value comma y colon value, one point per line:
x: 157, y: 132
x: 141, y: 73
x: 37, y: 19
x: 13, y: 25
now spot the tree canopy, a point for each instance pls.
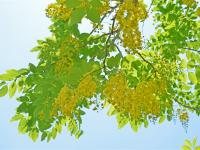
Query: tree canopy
x: 141, y: 80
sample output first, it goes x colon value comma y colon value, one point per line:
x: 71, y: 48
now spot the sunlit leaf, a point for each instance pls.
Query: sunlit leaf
x: 185, y: 147
x: 3, y: 91
x: 192, y: 77
x: 12, y: 89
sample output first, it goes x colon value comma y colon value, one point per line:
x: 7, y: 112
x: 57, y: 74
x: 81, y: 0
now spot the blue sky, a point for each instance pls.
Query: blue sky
x: 22, y: 23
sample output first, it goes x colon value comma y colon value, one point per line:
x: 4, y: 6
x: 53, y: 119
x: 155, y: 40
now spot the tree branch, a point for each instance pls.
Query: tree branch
x: 118, y: 49
x: 93, y: 30
x: 105, y: 34
x: 142, y: 57
x: 187, y: 106
x: 146, y: 60
x: 104, y: 16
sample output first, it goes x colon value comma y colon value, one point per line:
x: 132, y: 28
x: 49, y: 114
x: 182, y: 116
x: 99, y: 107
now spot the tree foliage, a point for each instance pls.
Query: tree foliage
x: 190, y: 145
x: 141, y: 80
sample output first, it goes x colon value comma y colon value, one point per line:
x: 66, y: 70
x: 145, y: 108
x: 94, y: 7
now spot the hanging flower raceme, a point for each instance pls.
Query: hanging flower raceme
x: 144, y: 99
x: 87, y: 87
x: 65, y: 102
x: 129, y: 15
x: 58, y: 11
x: 189, y: 3
x: 67, y: 50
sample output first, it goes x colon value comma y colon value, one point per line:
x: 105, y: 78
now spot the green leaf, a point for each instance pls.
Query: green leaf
x: 32, y: 67
x: 114, y: 61
x: 170, y: 26
x: 185, y: 147
x: 20, y: 85
x: 186, y: 87
x: 33, y: 135
x: 58, y: 128
x: 77, y: 16
x: 111, y: 111
x: 17, y: 117
x: 36, y: 48
x: 194, y: 141
x: 3, y: 91
x: 84, y: 36
x: 54, y: 133
x: 192, y: 77
x: 197, y: 148
x: 22, y: 71
x: 78, y: 134
x: 23, y: 107
x: 49, y: 136
x: 183, y: 77
x: 188, y: 143
x: 2, y: 83
x: 146, y: 123
x: 44, y: 135
x: 183, y: 64
x: 194, y: 44
x: 93, y: 15
x: 22, y: 127
x: 162, y: 119
x: 76, y: 73
x: 81, y: 112
x: 12, y: 89
x: 95, y: 3
x: 130, y: 58
x: 73, y: 3
x: 188, y: 54
x: 9, y: 75
x: 12, y: 72
x: 122, y: 121
x: 134, y: 126
x: 191, y: 64
x: 198, y: 73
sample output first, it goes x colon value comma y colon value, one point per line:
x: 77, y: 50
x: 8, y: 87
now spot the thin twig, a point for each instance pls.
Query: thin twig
x: 118, y: 49
x: 93, y: 71
x: 106, y: 44
x: 105, y: 34
x: 191, y: 49
x: 187, y: 106
x: 104, y: 16
x: 141, y: 56
x: 145, y: 60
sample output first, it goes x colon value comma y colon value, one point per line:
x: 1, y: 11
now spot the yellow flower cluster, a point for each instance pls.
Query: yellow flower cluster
x: 128, y: 15
x: 85, y: 5
x: 58, y: 11
x: 104, y: 8
x: 184, y: 117
x: 164, y: 68
x: 142, y: 100
x: 189, y: 3
x: 63, y: 65
x: 87, y: 87
x: 65, y: 102
x: 198, y: 12
x: 67, y: 98
x: 41, y: 115
x: 67, y: 49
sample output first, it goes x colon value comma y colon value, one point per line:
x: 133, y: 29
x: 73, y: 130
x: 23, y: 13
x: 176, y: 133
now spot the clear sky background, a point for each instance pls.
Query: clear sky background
x: 22, y: 23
